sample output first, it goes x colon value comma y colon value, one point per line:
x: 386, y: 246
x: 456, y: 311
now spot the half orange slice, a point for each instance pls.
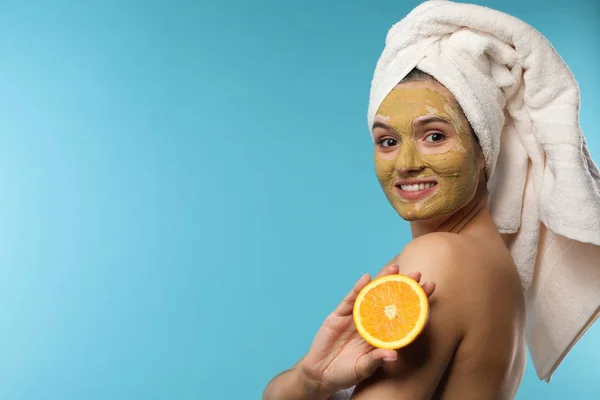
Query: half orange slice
x: 391, y: 311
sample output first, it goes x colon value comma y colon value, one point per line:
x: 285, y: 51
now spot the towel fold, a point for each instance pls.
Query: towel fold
x: 523, y: 104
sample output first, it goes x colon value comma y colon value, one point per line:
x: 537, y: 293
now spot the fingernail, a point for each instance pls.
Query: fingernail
x: 389, y: 359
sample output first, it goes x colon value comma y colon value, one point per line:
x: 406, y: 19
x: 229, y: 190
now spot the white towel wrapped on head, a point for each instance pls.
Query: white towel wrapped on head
x: 523, y: 104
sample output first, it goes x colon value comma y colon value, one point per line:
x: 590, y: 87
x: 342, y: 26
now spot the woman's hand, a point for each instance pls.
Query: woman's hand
x: 339, y: 357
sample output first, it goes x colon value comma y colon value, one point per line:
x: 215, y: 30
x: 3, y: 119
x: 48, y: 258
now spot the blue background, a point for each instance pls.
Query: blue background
x: 187, y: 189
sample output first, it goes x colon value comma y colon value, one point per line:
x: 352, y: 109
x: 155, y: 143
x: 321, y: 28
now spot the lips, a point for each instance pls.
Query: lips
x: 415, y: 189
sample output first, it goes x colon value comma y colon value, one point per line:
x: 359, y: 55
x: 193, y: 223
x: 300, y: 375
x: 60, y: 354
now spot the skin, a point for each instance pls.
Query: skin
x: 473, y: 346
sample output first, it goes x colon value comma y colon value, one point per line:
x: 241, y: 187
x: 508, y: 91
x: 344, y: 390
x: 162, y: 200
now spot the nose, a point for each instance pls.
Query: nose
x: 408, y: 160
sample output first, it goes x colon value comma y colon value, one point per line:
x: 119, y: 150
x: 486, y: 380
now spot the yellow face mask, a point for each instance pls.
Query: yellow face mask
x: 425, y: 157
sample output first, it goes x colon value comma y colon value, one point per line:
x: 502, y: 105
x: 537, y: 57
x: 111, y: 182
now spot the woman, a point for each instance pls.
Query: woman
x: 422, y: 137
x: 498, y: 83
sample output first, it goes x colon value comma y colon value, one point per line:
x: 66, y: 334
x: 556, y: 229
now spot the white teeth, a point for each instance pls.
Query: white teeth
x: 412, y: 188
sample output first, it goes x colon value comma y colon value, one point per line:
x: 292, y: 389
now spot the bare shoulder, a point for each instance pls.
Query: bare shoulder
x: 450, y: 247
x: 441, y: 257
x: 471, y: 274
x: 460, y: 260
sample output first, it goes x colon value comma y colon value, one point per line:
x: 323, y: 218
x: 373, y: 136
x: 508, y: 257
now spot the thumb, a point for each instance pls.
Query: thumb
x: 368, y: 363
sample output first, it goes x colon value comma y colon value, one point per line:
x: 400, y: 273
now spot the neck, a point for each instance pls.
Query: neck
x: 458, y: 221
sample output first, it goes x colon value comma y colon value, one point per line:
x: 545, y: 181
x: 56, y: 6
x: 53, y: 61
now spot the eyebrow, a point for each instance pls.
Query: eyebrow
x: 432, y: 118
x: 426, y: 120
x: 379, y: 124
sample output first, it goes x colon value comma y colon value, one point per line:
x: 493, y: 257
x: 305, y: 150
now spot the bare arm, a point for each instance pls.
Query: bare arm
x: 421, y: 366
x: 294, y: 385
x: 339, y: 357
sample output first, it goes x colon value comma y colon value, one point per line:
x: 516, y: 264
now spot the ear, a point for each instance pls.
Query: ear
x: 481, y: 162
x: 482, y: 166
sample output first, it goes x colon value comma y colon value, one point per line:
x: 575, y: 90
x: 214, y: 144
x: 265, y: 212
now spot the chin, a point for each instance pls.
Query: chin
x: 413, y: 215
x: 408, y: 218
x: 410, y: 215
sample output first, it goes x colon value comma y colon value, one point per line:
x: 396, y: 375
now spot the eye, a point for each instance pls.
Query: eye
x: 435, y: 137
x: 387, y: 142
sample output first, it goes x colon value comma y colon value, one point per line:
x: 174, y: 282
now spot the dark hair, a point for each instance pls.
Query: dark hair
x: 418, y: 75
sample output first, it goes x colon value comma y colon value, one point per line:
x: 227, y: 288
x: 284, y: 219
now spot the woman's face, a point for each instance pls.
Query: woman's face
x: 426, y: 159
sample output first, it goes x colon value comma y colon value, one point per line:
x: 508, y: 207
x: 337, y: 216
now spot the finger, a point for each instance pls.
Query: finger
x: 429, y: 288
x: 368, y: 363
x: 346, y: 306
x: 388, y: 270
x: 415, y: 275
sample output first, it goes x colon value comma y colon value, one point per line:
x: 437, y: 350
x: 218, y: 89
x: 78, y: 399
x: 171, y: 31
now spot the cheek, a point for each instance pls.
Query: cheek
x: 384, y: 169
x: 455, y: 164
x: 446, y: 164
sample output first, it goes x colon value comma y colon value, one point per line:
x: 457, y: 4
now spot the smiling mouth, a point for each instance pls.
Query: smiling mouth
x: 416, y: 191
x: 417, y: 186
